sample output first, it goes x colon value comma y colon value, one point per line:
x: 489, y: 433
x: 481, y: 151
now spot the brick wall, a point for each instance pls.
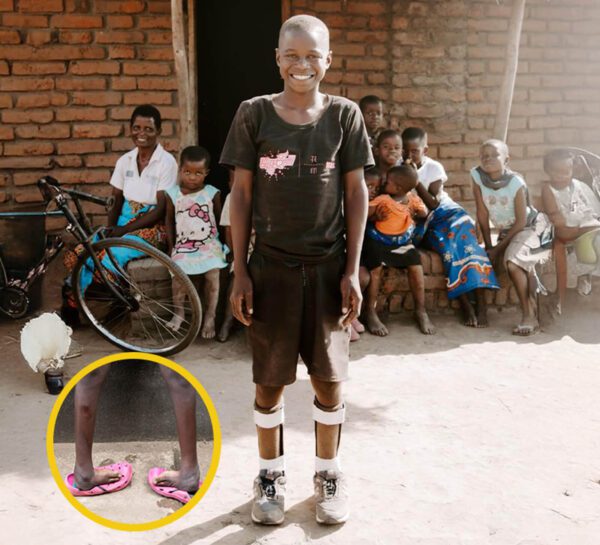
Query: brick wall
x: 439, y: 65
x: 71, y: 72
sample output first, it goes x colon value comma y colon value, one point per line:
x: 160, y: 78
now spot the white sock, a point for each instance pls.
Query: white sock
x: 322, y: 464
x: 276, y: 464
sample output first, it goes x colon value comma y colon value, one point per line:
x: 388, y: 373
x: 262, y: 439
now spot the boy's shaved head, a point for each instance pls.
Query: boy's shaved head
x: 304, y: 23
x: 495, y: 143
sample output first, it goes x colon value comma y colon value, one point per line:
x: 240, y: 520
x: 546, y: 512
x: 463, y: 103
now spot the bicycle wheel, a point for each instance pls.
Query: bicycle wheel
x: 131, y: 305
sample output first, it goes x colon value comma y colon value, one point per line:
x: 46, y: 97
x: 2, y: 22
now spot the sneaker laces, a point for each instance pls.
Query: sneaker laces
x: 268, y: 487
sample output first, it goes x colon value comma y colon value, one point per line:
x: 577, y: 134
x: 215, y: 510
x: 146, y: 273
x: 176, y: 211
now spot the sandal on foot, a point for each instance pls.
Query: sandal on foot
x: 123, y: 468
x: 525, y: 330
x: 171, y: 492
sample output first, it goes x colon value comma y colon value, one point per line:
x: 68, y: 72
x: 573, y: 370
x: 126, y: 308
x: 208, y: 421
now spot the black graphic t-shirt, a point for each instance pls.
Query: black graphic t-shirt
x: 298, y: 186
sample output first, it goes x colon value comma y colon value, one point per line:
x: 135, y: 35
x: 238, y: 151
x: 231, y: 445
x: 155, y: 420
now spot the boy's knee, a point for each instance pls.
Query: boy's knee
x: 175, y: 380
x: 328, y: 394
x: 268, y: 397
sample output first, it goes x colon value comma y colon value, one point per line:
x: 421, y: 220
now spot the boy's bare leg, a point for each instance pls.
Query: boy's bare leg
x: 87, y: 393
x: 178, y: 296
x: 374, y: 324
x: 269, y: 439
x: 183, y: 397
x: 482, y: 319
x: 416, y: 281
x: 469, y: 316
x: 211, y: 296
x: 228, y: 319
x: 520, y: 279
x: 329, y: 397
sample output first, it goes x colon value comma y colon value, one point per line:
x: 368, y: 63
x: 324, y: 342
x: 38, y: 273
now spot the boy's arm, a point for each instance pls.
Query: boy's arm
x: 430, y: 196
x: 418, y: 207
x: 217, y: 207
x: 115, y: 211
x: 241, y: 225
x: 563, y: 231
x: 170, y: 225
x: 355, y: 216
x: 483, y: 217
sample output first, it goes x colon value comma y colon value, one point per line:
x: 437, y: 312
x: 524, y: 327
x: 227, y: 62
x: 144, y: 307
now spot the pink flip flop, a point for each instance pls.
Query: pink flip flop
x: 168, y: 491
x: 123, y: 468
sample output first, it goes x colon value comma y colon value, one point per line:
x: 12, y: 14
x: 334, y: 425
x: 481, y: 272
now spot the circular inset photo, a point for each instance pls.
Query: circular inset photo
x: 133, y: 441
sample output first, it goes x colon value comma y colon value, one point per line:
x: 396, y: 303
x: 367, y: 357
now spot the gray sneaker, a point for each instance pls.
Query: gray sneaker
x: 269, y: 497
x: 332, y: 497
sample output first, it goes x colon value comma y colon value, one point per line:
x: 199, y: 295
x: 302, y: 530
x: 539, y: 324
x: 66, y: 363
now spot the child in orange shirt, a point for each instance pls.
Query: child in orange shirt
x: 388, y: 242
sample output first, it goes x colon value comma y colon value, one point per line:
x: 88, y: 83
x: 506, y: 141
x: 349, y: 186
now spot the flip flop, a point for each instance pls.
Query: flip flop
x: 123, y: 468
x: 523, y: 330
x: 182, y: 496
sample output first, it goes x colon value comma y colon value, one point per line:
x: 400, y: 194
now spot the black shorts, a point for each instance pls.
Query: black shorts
x: 297, y: 312
x: 376, y: 253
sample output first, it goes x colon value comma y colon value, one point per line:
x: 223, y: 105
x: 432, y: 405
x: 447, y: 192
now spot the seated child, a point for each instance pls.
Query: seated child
x: 450, y: 232
x: 501, y: 196
x: 193, y: 210
x: 371, y: 107
x: 573, y: 209
x: 388, y: 151
x: 388, y: 242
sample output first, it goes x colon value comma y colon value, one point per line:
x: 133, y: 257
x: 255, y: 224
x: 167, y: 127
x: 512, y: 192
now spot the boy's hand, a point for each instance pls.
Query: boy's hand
x: 351, y: 298
x: 493, y: 253
x: 117, y: 231
x: 241, y: 298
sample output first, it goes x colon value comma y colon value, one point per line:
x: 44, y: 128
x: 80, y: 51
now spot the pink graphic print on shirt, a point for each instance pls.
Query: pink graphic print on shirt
x: 194, y: 228
x: 274, y: 166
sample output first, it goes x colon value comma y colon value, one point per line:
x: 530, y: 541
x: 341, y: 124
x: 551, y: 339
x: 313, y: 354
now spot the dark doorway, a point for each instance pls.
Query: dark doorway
x: 236, y: 61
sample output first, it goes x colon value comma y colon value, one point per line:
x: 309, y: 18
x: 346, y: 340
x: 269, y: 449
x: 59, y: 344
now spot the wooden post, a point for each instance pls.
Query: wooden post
x: 193, y: 71
x: 510, y: 70
x: 182, y: 73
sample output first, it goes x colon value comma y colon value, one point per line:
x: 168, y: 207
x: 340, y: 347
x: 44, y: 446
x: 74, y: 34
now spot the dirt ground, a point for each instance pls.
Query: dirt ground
x: 470, y: 437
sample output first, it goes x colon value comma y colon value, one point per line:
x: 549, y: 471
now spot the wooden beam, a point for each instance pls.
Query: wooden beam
x: 193, y: 71
x: 181, y: 71
x: 286, y: 10
x: 510, y: 71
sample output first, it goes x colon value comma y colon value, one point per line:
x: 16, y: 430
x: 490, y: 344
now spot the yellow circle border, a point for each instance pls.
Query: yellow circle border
x: 208, y: 478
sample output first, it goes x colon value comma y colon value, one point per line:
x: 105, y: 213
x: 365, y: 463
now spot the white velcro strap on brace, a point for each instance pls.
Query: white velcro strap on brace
x: 329, y: 418
x: 276, y: 464
x: 269, y: 420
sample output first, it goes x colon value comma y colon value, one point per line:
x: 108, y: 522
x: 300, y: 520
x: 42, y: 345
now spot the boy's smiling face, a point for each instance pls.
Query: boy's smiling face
x: 303, y: 58
x: 560, y: 172
x: 494, y: 159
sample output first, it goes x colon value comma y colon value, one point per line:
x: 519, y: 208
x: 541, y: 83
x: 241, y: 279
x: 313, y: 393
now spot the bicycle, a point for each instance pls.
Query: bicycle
x: 129, y: 305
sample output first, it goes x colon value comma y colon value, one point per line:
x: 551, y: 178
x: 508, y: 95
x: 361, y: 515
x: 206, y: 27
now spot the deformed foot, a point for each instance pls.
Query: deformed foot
x: 374, y: 324
x: 225, y: 330
x: 424, y: 323
x: 268, y: 506
x: 87, y: 481
x: 187, y: 481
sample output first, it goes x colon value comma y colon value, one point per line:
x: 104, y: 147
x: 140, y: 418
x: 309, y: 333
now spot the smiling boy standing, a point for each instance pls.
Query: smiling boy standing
x: 299, y: 157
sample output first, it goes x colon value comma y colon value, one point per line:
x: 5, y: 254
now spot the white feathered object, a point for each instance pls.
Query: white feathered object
x: 45, y: 342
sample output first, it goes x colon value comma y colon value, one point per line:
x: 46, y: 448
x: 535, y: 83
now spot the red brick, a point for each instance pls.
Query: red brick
x: 367, y: 64
x: 159, y: 7
x: 84, y: 98
x: 158, y: 84
x: 9, y: 37
x: 81, y: 114
x: 80, y: 146
x: 68, y: 161
x: 76, y: 21
x: 26, y: 84
x: 155, y: 22
x: 38, y: 68
x: 160, y: 38
x: 75, y: 37
x: 85, y: 68
x: 144, y: 97
x: 96, y: 130
x: 28, y: 195
x: 38, y: 38
x: 124, y: 83
x: 124, y: 114
x: 80, y: 176
x: 146, y: 68
x: 121, y: 52
x: 119, y: 21
x: 71, y: 84
x: 122, y: 144
x: 28, y: 148
x: 6, y: 5
x: 5, y: 101
x: 103, y: 160
x: 34, y: 116
x: 16, y: 20
x: 109, y: 6
x: 7, y: 133
x: 25, y: 162
x: 156, y: 53
x: 4, y: 71
x: 44, y: 131
x: 120, y: 37
x: 40, y: 6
